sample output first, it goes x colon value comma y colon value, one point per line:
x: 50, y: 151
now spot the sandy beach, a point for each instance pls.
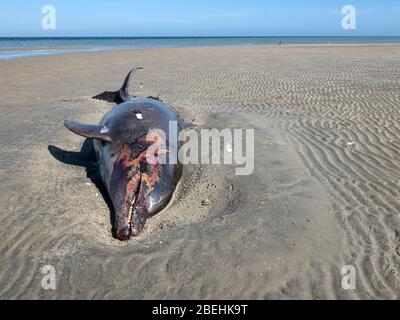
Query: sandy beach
x: 324, y: 193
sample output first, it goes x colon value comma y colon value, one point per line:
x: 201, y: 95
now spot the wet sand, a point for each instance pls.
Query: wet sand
x: 324, y: 193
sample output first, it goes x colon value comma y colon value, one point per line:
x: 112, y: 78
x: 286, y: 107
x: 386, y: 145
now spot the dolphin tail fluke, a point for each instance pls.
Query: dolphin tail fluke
x: 122, y: 94
x: 109, y: 96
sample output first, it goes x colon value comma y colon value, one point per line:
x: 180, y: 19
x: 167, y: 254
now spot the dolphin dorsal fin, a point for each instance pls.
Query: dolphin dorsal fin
x: 124, y: 91
x: 122, y: 94
x: 88, y: 130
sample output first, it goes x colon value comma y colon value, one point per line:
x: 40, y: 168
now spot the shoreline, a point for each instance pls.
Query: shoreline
x: 20, y: 53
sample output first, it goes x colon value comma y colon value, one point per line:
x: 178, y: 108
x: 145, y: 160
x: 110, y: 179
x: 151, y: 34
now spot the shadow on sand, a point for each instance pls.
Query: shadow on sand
x: 85, y: 158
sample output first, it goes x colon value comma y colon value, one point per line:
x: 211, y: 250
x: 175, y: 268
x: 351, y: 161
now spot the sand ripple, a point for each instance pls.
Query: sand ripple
x: 325, y: 192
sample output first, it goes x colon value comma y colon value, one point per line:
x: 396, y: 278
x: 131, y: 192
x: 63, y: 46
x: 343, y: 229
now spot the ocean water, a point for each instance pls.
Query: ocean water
x: 24, y: 47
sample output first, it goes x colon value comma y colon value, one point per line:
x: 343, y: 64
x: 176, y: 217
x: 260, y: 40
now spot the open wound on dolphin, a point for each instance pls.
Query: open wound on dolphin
x: 138, y: 165
x: 127, y: 171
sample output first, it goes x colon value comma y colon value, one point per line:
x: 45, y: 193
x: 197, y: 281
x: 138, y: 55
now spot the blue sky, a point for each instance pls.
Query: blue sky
x: 198, y: 18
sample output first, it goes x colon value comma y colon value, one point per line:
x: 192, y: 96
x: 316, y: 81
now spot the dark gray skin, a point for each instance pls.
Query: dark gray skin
x: 139, y: 185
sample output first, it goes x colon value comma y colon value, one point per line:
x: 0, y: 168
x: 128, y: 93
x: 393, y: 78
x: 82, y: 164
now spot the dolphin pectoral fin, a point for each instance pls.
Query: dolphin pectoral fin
x: 122, y: 94
x: 88, y: 131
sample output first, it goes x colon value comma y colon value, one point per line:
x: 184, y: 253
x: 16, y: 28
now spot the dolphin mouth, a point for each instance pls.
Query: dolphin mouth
x: 128, y: 214
x: 124, y: 233
x: 131, y: 212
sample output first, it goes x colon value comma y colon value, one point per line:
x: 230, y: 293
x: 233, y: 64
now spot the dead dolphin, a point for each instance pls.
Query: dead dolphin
x: 139, y: 184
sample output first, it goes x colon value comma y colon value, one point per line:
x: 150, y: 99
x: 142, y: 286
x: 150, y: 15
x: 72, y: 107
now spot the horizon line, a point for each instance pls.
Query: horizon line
x: 195, y: 36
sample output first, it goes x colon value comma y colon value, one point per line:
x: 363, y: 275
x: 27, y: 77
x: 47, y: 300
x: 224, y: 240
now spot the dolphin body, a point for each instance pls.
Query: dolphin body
x: 128, y: 152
